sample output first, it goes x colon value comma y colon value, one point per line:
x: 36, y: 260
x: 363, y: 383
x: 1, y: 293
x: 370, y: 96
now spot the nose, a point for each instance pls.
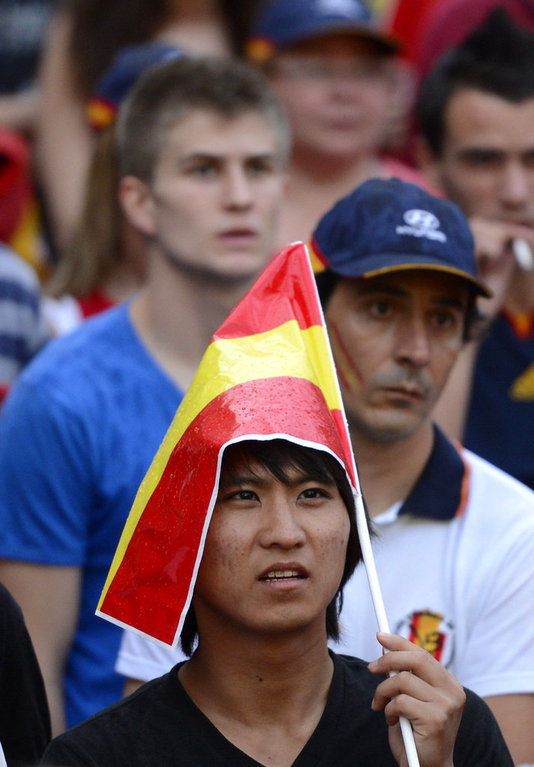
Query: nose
x: 344, y: 87
x: 281, y: 527
x: 515, y: 189
x: 237, y: 189
x: 413, y: 343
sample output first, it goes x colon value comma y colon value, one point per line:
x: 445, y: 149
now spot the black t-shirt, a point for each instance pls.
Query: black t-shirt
x: 160, y: 725
x: 24, y: 717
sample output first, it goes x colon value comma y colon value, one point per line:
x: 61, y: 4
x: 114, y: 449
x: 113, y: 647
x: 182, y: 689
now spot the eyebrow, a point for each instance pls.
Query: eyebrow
x: 210, y: 155
x: 481, y: 151
x: 238, y: 480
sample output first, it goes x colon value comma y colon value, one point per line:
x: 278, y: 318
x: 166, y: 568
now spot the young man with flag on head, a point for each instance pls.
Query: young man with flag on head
x: 241, y: 538
x: 203, y: 146
x: 456, y: 535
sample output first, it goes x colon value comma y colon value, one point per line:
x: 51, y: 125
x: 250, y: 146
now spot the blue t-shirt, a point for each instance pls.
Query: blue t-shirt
x: 500, y: 418
x: 77, y: 434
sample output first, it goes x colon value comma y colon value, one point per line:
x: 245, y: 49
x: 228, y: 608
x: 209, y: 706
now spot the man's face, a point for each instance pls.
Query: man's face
x: 274, y: 553
x: 216, y: 195
x: 336, y: 90
x: 395, y: 339
x: 487, y: 163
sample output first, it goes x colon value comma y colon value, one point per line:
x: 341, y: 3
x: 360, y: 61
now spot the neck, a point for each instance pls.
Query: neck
x: 389, y: 470
x: 263, y: 682
x: 314, y: 186
x: 176, y: 314
x: 333, y: 170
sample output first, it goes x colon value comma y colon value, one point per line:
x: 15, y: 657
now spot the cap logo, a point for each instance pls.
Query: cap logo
x: 345, y: 7
x: 422, y: 223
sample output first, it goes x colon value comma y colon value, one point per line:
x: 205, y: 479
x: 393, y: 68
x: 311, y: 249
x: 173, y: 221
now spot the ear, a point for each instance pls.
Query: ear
x: 427, y: 162
x: 137, y: 204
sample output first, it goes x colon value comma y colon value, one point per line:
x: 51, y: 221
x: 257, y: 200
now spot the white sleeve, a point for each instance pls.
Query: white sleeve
x: 141, y: 659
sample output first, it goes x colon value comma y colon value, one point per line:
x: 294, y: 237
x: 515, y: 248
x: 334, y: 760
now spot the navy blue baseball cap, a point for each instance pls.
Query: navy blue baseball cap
x: 286, y: 22
x: 391, y: 225
x: 125, y: 69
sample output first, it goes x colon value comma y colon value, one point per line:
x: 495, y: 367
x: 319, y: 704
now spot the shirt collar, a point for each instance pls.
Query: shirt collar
x: 441, y: 491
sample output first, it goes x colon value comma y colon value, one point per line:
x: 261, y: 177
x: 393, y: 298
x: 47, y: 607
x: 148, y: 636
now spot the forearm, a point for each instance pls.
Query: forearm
x: 49, y: 599
x: 56, y: 703
x: 515, y: 716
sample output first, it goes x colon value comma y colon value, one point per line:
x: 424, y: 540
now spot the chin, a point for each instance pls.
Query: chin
x: 386, y: 431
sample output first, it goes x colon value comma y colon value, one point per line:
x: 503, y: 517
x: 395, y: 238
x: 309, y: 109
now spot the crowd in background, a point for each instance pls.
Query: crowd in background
x: 78, y: 239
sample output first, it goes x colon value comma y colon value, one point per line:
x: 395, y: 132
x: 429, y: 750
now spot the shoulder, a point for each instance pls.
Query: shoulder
x: 68, y: 362
x: 491, y: 487
x: 140, y: 658
x: 132, y: 731
x: 393, y: 167
x: 15, y: 271
x: 500, y: 512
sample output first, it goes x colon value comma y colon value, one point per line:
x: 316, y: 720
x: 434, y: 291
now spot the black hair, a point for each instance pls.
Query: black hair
x: 473, y: 320
x: 280, y: 457
x: 497, y: 58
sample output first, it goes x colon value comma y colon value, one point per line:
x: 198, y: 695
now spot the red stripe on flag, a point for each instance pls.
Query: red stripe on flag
x: 150, y: 589
x: 282, y: 293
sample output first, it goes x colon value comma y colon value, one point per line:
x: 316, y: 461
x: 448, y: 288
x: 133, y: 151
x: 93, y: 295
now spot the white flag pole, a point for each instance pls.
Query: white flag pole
x: 381, y: 617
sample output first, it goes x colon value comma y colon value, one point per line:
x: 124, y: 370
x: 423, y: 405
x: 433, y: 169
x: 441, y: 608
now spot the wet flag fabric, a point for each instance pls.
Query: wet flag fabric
x: 267, y: 373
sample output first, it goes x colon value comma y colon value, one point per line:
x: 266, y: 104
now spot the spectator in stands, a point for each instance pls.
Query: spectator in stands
x: 336, y: 73
x: 476, y: 116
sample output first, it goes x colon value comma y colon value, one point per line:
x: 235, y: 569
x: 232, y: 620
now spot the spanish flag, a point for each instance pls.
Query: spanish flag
x: 268, y: 373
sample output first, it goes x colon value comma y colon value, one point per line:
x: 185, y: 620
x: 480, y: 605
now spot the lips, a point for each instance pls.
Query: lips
x: 281, y: 575
x: 238, y: 234
x: 406, y: 391
x: 283, y: 572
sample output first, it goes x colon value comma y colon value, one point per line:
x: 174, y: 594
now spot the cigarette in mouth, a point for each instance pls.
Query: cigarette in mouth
x: 523, y: 254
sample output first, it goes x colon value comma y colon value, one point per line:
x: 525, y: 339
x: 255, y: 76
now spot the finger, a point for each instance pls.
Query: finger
x: 404, y: 683
x: 425, y: 717
x: 492, y: 236
x: 403, y: 655
x: 393, y: 641
x: 399, y: 654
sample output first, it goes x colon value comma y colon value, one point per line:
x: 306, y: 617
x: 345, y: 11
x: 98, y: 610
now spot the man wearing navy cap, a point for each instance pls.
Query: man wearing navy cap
x: 337, y: 75
x: 455, y: 553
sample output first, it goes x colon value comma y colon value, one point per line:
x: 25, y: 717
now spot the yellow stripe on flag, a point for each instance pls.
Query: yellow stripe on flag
x: 286, y: 350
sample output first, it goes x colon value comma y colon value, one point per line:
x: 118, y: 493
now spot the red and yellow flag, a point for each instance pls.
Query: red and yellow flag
x: 268, y: 373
